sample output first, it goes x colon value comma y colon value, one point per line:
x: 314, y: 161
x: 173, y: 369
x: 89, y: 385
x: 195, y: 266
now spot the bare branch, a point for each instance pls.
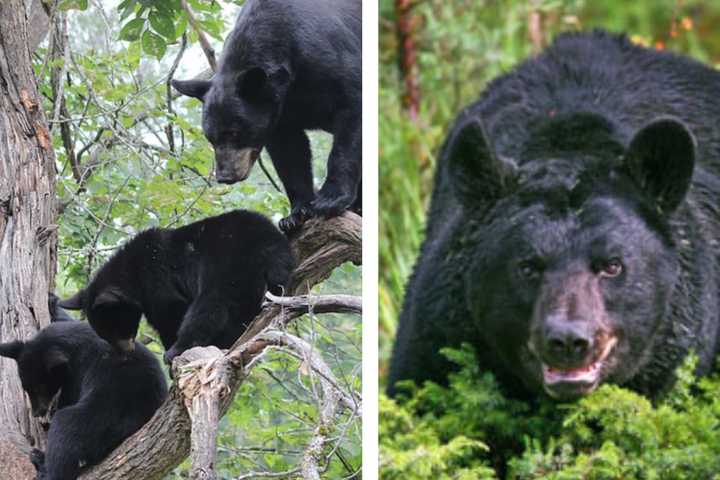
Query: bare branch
x: 168, y: 93
x: 294, y: 307
x: 204, y: 381
x: 329, y: 399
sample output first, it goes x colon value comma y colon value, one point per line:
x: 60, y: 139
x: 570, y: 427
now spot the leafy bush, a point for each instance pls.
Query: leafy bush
x: 469, y: 429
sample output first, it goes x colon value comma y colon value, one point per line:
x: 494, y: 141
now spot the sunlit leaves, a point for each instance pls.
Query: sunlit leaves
x: 73, y: 4
x: 153, y: 44
x: 132, y: 29
x: 163, y: 25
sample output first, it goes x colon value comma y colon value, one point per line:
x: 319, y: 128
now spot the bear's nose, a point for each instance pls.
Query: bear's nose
x: 568, y: 343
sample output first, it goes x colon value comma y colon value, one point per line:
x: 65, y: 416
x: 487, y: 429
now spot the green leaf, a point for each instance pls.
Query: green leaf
x: 131, y: 31
x: 126, y: 8
x: 163, y: 25
x: 181, y: 25
x: 153, y: 44
x: 73, y: 5
x: 134, y: 53
x: 166, y: 8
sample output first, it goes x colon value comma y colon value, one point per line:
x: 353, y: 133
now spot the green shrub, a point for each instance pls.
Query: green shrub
x: 469, y: 429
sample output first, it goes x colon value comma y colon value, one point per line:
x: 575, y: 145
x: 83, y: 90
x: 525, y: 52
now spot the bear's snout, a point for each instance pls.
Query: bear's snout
x: 232, y: 165
x: 568, y: 343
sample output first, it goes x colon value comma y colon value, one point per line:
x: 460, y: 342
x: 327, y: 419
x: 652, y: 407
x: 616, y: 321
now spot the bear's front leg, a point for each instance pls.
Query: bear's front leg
x: 72, y: 437
x: 290, y: 152
x: 344, y: 169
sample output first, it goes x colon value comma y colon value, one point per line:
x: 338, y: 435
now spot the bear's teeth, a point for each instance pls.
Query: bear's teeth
x: 586, y: 373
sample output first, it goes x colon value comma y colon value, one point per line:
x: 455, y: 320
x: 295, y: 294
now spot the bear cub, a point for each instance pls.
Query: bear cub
x: 95, y: 411
x: 201, y: 284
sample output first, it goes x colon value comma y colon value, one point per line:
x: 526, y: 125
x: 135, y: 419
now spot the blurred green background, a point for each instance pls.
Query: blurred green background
x: 457, y: 47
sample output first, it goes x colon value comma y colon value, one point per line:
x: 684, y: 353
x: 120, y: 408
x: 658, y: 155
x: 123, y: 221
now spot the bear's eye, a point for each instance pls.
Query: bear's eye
x: 610, y: 268
x: 529, y: 269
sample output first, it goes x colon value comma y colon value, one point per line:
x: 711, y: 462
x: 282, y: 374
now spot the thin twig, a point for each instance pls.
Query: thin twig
x: 204, y: 43
x: 168, y: 92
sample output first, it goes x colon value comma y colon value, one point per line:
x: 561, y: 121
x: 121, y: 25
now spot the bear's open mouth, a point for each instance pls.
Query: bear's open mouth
x: 567, y: 383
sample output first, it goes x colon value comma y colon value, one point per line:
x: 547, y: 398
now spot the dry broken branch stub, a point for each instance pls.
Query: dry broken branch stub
x: 162, y: 444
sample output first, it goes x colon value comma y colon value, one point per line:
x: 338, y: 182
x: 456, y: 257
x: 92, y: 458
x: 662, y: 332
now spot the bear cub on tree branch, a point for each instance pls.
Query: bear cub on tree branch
x: 201, y: 284
x: 104, y: 396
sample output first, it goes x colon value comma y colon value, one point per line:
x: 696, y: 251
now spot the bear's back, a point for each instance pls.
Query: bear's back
x: 604, y: 74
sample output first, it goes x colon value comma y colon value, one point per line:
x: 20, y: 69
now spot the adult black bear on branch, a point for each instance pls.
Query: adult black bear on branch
x: 289, y: 66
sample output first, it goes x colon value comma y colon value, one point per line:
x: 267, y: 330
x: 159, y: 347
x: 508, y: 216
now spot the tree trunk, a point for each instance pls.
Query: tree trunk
x: 27, y: 230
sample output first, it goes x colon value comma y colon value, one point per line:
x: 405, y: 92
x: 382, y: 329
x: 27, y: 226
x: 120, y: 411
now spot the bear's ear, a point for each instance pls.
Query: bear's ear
x: 76, y: 302
x: 192, y: 88
x: 258, y: 84
x: 252, y: 83
x: 478, y: 175
x: 12, y: 349
x: 109, y: 297
x: 661, y: 158
x: 56, y: 360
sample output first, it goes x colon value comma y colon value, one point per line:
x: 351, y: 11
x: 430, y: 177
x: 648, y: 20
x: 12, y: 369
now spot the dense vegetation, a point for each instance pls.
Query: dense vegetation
x: 469, y: 430
x: 131, y: 155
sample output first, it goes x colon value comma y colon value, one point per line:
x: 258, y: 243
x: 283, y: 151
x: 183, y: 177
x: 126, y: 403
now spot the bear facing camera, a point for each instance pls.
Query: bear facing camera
x: 197, y: 285
x: 572, y: 233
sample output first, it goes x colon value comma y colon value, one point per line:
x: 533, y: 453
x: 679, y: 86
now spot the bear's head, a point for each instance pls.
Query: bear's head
x: 113, y: 314
x: 240, y: 111
x: 43, y: 369
x: 573, y: 263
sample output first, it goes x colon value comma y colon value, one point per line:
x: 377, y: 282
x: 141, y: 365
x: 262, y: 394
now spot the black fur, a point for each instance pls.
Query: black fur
x: 104, y: 397
x: 201, y: 284
x: 596, y: 151
x: 289, y: 66
x: 57, y: 314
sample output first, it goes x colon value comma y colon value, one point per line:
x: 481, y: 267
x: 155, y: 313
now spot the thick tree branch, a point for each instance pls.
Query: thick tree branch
x: 208, y: 378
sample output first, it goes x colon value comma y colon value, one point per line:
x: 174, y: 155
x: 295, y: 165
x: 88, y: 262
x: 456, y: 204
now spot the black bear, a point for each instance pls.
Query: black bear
x: 573, y: 233
x: 95, y: 411
x: 201, y: 284
x: 289, y: 66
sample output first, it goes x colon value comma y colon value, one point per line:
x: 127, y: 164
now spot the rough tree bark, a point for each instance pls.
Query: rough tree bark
x: 207, y: 378
x: 27, y: 230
